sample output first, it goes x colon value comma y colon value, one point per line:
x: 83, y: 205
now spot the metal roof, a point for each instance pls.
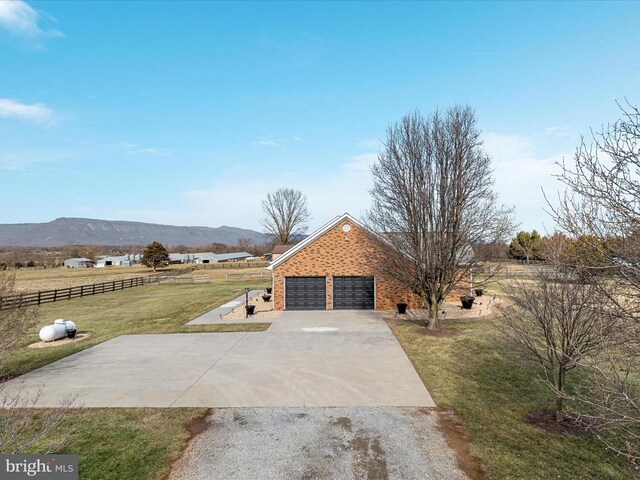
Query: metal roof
x: 232, y: 256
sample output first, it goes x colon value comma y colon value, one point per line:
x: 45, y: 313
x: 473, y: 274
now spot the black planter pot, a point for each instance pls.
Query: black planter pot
x: 250, y: 309
x: 266, y: 298
x: 467, y: 302
x: 71, y: 333
x: 479, y: 292
x: 269, y: 289
x: 402, y: 307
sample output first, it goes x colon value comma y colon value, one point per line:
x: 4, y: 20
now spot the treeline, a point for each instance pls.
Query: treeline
x: 584, y: 250
x: 34, y: 257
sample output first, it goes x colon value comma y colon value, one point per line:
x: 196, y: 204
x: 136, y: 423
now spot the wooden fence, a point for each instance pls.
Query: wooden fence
x: 160, y: 279
x: 57, y: 295
x: 232, y: 277
x: 232, y: 265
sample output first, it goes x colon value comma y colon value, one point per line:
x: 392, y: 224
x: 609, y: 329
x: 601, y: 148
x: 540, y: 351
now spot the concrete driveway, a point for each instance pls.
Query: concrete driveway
x: 328, y: 358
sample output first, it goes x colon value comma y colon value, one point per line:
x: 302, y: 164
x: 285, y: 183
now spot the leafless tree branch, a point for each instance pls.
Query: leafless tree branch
x: 433, y: 203
x: 286, y: 215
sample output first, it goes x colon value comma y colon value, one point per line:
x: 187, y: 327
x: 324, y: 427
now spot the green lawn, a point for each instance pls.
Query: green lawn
x: 492, y: 389
x: 149, y: 309
x: 114, y: 443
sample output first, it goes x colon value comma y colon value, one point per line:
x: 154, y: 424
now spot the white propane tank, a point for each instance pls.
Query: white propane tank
x: 53, y: 332
x: 70, y: 325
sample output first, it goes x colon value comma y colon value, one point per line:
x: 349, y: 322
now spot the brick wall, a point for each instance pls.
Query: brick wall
x: 337, y: 253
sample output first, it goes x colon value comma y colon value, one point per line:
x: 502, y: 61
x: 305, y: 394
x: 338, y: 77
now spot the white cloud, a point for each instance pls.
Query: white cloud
x: 134, y: 149
x: 19, y: 18
x: 557, y: 131
x: 369, y: 144
x: 268, y: 142
x: 22, y: 159
x: 36, y: 113
x: 521, y: 174
x: 360, y: 163
x: 271, y: 141
x: 344, y: 189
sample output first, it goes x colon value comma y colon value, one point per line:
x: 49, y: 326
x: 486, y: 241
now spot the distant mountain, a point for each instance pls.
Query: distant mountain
x: 86, y: 231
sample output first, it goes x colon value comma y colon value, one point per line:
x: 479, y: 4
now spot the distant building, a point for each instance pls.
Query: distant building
x: 119, y: 261
x: 79, y: 262
x: 178, y: 258
x: 279, y: 250
x: 205, y: 257
x: 233, y: 257
x: 210, y: 257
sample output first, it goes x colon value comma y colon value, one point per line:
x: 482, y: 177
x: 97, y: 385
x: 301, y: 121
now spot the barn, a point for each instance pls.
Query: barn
x: 78, y: 262
x: 332, y: 270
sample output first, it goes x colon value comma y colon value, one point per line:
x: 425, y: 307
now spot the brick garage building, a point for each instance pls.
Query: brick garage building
x: 332, y: 269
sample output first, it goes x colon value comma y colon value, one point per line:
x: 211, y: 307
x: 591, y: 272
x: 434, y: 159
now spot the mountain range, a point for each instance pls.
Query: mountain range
x: 86, y: 231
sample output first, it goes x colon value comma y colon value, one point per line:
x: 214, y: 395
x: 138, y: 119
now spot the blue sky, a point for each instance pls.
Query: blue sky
x: 189, y: 113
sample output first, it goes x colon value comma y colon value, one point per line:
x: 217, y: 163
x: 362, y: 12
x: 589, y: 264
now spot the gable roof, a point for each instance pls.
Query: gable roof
x: 311, y: 238
x: 280, y: 249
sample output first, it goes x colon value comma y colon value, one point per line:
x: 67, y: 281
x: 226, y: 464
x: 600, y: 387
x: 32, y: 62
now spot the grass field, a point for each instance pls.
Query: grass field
x: 116, y: 443
x: 34, y: 279
x: 492, y: 388
x: 125, y: 443
x: 31, y: 280
x: 148, y: 309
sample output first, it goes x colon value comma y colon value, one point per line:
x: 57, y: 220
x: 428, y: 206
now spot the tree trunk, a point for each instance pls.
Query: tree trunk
x: 560, y: 396
x: 559, y: 412
x: 432, y: 323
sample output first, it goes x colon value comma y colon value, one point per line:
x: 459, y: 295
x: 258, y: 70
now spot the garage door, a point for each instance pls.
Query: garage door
x: 353, y: 293
x: 305, y: 293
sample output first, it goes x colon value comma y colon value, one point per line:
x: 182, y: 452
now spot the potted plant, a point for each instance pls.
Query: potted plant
x: 266, y: 297
x: 402, y: 308
x: 250, y: 309
x: 467, y: 301
x: 479, y: 292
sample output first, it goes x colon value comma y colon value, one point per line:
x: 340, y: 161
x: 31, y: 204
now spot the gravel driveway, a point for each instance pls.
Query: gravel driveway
x: 373, y: 443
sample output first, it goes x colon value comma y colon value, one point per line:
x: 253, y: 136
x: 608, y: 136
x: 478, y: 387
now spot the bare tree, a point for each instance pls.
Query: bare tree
x: 559, y: 321
x: 610, y: 397
x: 432, y: 202
x: 245, y: 244
x: 286, y: 215
x: 602, y: 206
x: 21, y: 426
